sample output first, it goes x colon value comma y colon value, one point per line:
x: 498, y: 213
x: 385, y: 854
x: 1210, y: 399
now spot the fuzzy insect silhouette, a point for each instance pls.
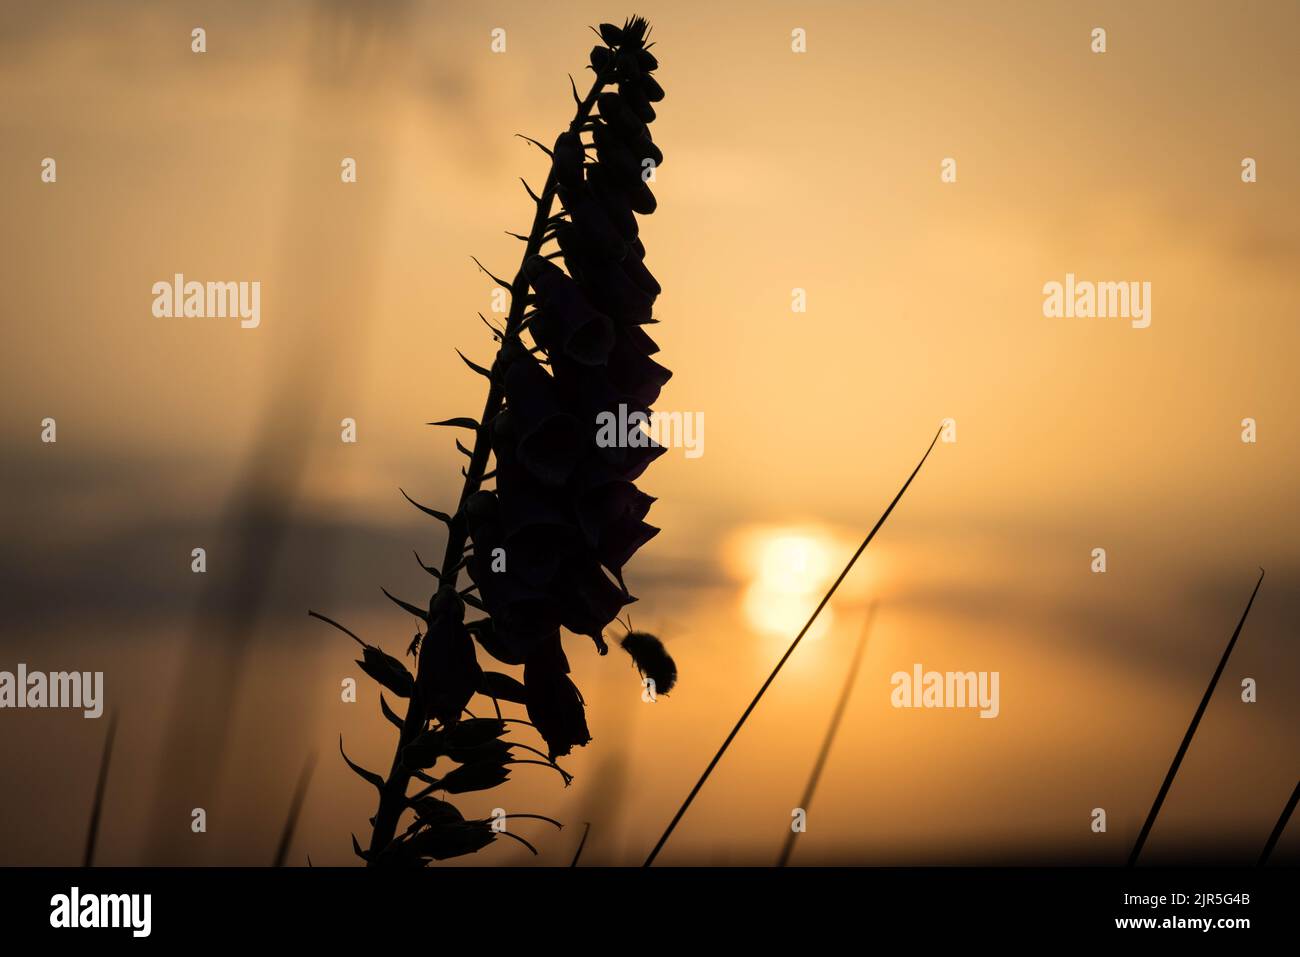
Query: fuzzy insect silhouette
x: 545, y: 546
x: 651, y: 659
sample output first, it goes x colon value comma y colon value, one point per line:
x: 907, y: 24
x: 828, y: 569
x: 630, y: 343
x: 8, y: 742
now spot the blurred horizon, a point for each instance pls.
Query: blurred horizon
x: 817, y: 171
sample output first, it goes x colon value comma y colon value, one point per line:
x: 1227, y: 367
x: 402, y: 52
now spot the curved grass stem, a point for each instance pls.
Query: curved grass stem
x: 690, y: 798
x: 841, y: 706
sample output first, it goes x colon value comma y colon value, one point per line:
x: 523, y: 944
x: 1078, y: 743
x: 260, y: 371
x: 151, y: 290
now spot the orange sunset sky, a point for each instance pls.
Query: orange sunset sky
x: 817, y: 171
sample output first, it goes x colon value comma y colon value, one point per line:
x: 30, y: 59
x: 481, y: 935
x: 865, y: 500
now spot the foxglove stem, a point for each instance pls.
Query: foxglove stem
x: 392, y: 800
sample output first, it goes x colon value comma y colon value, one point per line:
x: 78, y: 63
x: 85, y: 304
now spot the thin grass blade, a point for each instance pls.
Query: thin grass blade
x: 1280, y: 826
x: 1191, y: 730
x: 581, y: 844
x: 101, y: 785
x: 681, y: 811
x: 295, y: 809
x: 841, y: 706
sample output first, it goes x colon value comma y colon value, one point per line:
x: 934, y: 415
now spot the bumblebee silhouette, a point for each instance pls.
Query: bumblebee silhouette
x: 651, y: 659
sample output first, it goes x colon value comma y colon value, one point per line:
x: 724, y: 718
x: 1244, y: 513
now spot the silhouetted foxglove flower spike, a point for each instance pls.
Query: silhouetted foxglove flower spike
x: 546, y: 545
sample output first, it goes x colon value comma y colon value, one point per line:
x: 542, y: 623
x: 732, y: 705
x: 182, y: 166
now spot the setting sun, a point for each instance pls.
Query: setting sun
x: 788, y: 570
